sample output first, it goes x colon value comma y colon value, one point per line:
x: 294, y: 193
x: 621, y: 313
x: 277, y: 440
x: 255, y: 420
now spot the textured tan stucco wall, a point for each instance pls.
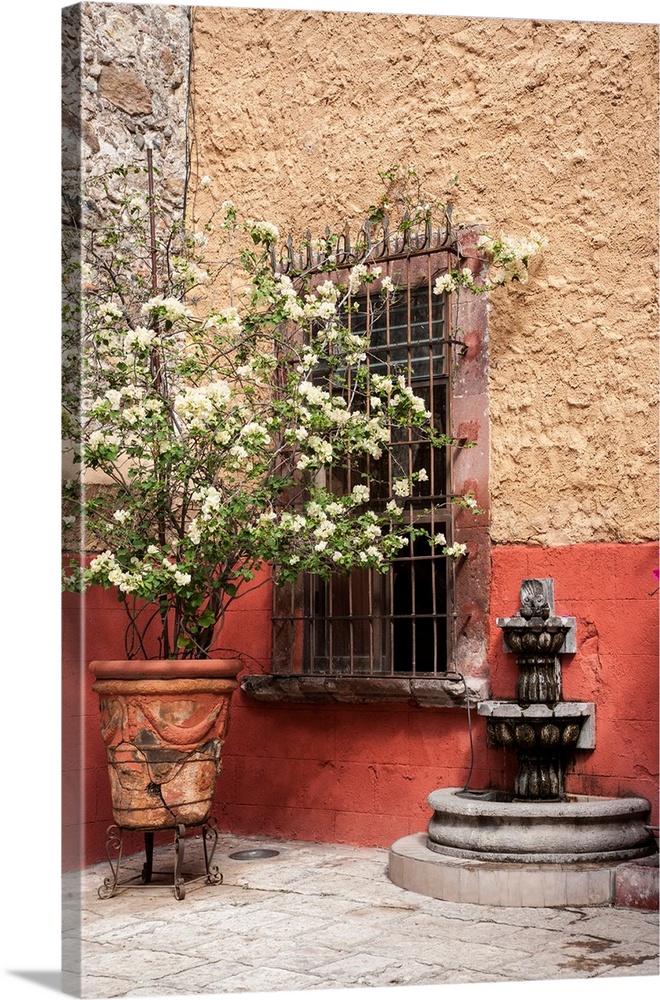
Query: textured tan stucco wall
x: 549, y: 125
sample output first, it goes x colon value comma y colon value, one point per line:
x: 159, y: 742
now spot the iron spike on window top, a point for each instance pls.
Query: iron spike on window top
x: 374, y: 241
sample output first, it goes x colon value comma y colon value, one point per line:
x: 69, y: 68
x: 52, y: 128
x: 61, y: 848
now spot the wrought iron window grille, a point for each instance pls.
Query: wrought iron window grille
x: 397, y: 624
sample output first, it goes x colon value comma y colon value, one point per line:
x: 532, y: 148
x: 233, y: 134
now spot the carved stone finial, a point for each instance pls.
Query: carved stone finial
x: 536, y: 599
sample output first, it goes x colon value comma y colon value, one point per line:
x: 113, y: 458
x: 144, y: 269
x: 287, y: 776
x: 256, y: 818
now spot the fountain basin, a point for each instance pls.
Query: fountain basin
x: 582, y: 828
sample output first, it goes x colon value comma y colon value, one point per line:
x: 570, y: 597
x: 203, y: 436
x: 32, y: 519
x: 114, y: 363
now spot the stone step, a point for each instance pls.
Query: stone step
x: 414, y: 867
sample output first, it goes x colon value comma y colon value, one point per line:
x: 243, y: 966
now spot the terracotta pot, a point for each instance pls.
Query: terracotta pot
x: 164, y: 724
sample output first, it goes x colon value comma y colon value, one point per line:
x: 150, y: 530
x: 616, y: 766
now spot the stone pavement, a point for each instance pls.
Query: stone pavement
x: 325, y: 916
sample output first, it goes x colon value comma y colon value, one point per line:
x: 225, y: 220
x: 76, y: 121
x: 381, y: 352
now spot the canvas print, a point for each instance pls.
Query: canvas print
x: 360, y: 508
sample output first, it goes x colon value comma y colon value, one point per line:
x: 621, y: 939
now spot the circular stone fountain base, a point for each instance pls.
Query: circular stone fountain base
x: 582, y: 828
x: 499, y: 852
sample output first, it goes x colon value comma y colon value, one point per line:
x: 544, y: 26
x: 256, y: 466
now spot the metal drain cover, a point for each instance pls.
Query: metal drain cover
x: 253, y: 855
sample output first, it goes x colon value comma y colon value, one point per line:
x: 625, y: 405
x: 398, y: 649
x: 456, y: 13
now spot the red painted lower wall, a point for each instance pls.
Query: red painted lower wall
x: 362, y: 774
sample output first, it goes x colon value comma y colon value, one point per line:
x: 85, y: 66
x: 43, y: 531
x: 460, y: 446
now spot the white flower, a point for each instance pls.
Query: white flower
x: 139, y: 339
x: 422, y: 476
x: 392, y: 507
x: 321, y: 546
x: 356, y: 276
x: 68, y: 519
x: 133, y: 414
x: 169, y: 308
x: 120, y: 516
x: 382, y: 384
x: 229, y: 319
x: 328, y: 290
x: 263, y: 232
x: 182, y: 579
x: 205, y: 181
x: 360, y: 494
x: 313, y: 393
x: 372, y: 532
x: 445, y: 283
x: 439, y: 539
x: 294, y: 523
x: 387, y: 284
x: 401, y: 487
x: 99, y: 438
x: 319, y: 309
x: 510, y: 255
x: 322, y: 449
x: 108, y: 310
x: 456, y: 550
x: 114, y: 398
x: 256, y: 431
x: 201, y: 405
x: 324, y: 530
x: 188, y: 271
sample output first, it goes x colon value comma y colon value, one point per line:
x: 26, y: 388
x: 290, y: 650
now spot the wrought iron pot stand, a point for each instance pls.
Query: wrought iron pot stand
x: 178, y: 878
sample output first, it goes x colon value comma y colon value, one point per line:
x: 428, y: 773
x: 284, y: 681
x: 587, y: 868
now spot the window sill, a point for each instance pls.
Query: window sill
x: 435, y: 692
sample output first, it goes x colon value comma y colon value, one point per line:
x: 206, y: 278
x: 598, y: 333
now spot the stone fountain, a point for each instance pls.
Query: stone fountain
x: 535, y: 845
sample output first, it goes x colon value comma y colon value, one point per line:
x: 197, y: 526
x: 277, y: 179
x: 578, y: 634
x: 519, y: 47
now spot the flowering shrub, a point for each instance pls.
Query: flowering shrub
x: 214, y: 428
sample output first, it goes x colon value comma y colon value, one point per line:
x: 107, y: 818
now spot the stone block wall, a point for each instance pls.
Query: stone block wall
x: 125, y: 81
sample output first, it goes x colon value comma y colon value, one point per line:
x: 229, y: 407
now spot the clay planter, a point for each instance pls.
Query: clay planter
x: 164, y: 724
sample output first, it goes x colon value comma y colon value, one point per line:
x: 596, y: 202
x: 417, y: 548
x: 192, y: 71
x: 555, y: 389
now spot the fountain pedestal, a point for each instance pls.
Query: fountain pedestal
x: 541, y: 737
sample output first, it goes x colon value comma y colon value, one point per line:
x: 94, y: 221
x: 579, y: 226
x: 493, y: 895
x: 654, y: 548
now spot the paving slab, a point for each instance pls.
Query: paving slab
x: 326, y: 916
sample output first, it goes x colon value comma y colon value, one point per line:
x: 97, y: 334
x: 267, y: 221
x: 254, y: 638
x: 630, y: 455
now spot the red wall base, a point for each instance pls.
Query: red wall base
x: 361, y: 774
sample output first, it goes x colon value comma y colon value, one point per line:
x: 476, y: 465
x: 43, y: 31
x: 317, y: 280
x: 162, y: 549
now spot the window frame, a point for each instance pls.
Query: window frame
x: 467, y: 680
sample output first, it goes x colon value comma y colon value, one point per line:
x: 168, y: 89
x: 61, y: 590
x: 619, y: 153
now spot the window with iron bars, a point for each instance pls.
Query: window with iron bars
x: 397, y: 623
